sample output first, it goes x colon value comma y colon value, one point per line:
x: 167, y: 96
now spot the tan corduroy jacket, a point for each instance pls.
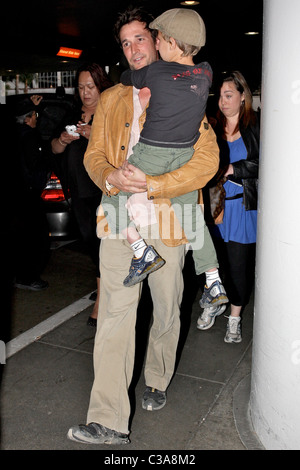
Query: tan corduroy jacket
x: 107, y: 150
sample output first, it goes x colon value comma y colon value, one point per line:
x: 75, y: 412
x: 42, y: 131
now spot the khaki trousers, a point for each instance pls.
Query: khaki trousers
x: 114, y: 348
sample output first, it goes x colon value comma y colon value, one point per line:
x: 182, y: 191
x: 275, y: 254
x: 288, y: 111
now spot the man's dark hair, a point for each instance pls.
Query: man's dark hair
x: 134, y: 14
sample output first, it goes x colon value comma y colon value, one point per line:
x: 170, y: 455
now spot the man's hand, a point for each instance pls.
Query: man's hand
x: 128, y: 178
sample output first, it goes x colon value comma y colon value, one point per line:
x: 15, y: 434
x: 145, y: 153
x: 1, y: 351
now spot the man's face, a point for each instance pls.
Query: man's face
x: 138, y: 46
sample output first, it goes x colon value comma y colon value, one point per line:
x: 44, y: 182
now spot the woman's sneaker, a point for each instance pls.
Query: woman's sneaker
x: 141, y: 267
x: 233, y: 332
x: 213, y: 295
x: 207, y: 319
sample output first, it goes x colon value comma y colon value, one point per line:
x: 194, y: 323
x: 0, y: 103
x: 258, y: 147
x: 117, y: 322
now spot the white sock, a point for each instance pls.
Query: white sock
x: 234, y: 318
x: 211, y: 277
x: 139, y: 247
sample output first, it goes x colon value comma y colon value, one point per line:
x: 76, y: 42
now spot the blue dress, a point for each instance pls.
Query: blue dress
x: 238, y: 224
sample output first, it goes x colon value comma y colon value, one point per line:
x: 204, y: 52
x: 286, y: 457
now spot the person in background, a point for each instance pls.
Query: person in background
x: 118, y: 120
x: 35, y: 164
x: 238, y: 134
x: 91, y: 81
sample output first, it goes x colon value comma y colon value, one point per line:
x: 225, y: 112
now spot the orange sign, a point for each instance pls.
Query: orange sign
x: 68, y: 52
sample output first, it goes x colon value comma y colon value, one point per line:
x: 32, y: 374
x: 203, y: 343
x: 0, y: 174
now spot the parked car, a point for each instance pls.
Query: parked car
x: 61, y: 221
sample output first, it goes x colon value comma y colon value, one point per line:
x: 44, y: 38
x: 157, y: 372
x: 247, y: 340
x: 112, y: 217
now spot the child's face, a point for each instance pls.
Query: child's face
x: 163, y: 47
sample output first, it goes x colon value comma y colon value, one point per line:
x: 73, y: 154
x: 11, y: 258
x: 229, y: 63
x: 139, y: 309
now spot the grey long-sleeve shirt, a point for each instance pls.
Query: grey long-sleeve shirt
x: 178, y: 101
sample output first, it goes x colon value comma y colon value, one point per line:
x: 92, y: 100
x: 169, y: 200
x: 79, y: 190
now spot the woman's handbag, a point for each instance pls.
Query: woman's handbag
x: 217, y: 199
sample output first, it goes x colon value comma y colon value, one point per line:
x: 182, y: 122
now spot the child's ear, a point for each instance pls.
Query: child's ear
x: 156, y: 44
x: 173, y: 43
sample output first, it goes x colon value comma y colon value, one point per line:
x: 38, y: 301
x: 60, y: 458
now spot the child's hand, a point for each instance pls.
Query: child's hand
x: 134, y: 174
x: 125, y: 168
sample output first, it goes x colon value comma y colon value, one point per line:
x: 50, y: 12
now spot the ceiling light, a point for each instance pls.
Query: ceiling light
x: 252, y: 33
x: 189, y: 3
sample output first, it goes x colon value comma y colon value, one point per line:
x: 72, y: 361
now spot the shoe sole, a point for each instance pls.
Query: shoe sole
x: 35, y: 289
x: 149, y: 406
x: 104, y: 440
x: 232, y: 340
x: 160, y: 262
x: 222, y: 299
x: 213, y: 320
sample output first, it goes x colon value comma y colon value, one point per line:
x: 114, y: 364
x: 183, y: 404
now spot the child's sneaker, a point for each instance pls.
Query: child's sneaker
x: 141, y: 267
x: 213, y: 295
x: 207, y: 319
x: 233, y: 332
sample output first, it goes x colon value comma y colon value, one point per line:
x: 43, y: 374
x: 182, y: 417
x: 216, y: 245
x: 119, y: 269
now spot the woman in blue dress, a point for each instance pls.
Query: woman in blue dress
x: 238, y: 137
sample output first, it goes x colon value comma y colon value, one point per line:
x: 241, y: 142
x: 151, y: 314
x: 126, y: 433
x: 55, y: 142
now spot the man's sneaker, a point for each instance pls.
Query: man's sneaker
x: 141, y: 267
x: 153, y: 399
x: 213, y: 295
x: 207, y: 319
x: 94, y: 433
x: 233, y: 332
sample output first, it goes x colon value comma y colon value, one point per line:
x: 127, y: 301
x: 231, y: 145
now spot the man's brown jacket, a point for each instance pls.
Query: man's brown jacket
x: 107, y: 150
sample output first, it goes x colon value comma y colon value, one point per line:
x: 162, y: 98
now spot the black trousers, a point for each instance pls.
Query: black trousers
x: 85, y: 214
x: 237, y: 263
x: 32, y: 251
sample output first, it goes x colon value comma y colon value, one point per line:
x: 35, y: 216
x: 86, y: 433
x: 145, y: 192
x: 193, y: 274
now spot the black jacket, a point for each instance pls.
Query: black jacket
x: 245, y: 171
x: 34, y: 160
x: 69, y: 164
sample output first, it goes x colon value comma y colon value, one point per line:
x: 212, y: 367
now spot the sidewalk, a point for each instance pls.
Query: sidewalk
x: 47, y: 382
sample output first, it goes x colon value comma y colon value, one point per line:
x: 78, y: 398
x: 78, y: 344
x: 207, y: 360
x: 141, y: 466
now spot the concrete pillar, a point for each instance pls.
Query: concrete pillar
x: 2, y: 92
x: 275, y: 382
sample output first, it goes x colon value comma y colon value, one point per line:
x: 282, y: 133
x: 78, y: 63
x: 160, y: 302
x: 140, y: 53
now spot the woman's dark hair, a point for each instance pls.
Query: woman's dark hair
x: 100, y: 77
x: 247, y: 115
x: 134, y: 14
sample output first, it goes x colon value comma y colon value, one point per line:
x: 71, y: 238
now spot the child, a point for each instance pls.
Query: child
x: 179, y: 92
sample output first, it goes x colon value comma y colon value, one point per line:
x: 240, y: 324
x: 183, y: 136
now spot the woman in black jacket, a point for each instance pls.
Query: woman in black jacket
x: 238, y: 138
